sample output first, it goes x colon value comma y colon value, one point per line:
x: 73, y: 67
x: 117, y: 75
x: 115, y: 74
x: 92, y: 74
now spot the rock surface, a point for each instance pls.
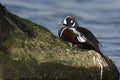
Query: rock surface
x: 30, y: 51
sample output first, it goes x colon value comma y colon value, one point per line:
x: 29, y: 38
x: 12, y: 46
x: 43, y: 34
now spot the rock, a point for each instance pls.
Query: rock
x: 30, y: 51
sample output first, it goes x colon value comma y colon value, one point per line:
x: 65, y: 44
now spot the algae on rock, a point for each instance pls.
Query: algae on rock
x: 30, y: 51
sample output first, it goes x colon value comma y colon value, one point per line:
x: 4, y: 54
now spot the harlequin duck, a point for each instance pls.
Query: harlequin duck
x: 70, y: 31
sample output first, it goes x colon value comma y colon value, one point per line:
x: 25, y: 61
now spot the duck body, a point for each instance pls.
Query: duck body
x: 70, y: 31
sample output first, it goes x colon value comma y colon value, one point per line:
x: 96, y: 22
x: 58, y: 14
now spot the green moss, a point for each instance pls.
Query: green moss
x: 30, y: 51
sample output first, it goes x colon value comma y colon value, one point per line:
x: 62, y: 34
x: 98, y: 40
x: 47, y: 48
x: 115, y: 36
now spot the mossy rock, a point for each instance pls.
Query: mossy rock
x: 29, y: 51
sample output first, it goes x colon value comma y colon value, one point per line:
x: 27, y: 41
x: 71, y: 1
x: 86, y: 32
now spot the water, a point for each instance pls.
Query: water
x: 102, y: 17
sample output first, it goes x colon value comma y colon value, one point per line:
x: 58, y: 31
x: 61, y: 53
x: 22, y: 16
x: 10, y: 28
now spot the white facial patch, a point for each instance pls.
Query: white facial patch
x: 79, y: 36
x: 71, y: 21
x: 64, y: 21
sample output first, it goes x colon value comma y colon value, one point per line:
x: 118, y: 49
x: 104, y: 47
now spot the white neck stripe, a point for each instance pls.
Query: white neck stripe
x: 62, y: 31
x: 73, y: 24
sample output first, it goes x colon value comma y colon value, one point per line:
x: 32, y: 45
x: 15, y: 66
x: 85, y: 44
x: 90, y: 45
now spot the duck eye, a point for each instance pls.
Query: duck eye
x: 71, y: 21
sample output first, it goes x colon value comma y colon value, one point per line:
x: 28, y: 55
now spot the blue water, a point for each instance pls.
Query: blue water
x: 102, y: 17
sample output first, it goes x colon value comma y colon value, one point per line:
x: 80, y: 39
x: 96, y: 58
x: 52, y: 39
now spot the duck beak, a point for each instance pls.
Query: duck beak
x: 61, y: 24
